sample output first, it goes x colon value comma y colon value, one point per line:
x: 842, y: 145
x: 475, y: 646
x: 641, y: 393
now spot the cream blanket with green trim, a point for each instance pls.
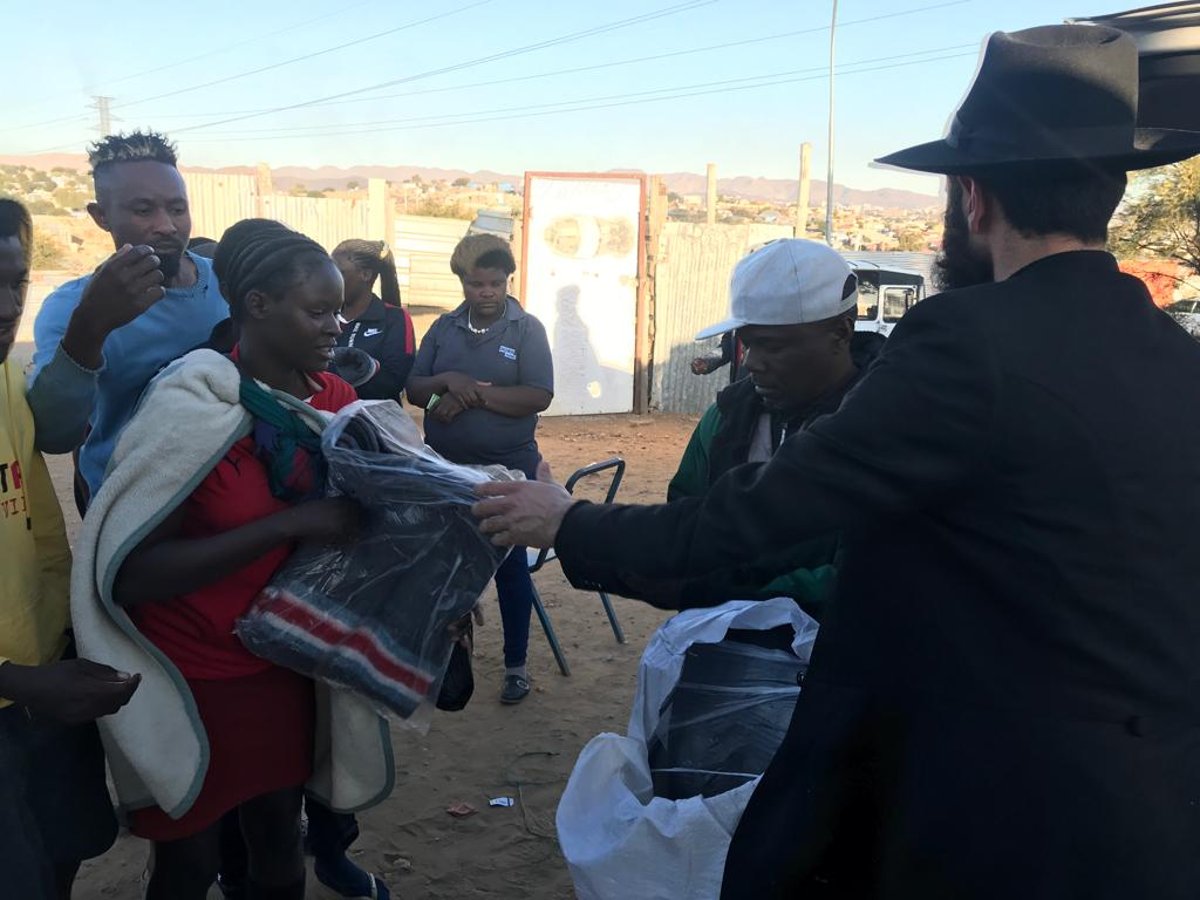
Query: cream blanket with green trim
x: 158, y: 751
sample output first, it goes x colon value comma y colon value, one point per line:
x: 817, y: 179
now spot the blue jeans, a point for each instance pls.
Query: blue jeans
x: 515, y: 588
x: 330, y: 833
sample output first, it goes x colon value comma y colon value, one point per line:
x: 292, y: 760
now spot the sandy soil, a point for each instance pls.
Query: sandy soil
x: 488, y: 750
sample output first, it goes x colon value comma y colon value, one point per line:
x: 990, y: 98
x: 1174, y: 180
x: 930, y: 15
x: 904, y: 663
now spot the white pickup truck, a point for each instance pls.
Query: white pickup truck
x: 884, y: 294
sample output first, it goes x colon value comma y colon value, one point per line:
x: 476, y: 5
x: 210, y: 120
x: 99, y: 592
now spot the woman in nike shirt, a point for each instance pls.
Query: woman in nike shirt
x: 374, y: 324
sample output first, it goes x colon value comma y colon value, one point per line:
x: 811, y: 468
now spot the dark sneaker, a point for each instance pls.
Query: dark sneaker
x: 346, y: 879
x: 231, y: 889
x: 516, y: 689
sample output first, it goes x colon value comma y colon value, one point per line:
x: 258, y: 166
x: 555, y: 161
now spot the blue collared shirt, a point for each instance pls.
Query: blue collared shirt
x: 66, y: 398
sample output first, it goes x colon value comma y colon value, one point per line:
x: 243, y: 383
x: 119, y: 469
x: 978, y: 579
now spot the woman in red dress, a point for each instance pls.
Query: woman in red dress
x: 190, y: 579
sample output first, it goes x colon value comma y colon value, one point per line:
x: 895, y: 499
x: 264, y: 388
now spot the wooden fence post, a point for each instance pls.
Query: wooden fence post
x: 264, y: 188
x: 377, y: 210
x: 643, y: 366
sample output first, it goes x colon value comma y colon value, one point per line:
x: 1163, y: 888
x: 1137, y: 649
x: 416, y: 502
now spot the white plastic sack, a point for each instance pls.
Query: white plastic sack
x: 619, y: 840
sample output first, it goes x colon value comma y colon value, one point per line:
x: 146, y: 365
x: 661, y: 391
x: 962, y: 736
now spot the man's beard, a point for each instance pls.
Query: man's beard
x: 959, y: 265
x: 169, y: 264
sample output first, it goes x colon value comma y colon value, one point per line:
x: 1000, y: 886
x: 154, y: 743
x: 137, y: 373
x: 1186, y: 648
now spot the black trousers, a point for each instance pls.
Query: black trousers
x: 329, y: 834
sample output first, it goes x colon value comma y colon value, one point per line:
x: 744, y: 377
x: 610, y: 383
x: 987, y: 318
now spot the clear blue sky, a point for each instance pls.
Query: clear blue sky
x: 474, y: 116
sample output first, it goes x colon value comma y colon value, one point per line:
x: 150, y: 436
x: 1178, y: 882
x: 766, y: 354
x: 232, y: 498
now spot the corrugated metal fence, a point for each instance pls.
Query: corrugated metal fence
x: 422, y: 244
x: 218, y: 200
x: 328, y: 221
x: 691, y: 291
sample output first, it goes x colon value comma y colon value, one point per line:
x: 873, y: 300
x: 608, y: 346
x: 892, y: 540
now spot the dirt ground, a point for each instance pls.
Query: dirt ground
x: 488, y: 750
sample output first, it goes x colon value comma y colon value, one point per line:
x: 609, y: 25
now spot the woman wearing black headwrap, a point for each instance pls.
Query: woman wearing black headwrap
x: 375, y: 324
x: 193, y: 576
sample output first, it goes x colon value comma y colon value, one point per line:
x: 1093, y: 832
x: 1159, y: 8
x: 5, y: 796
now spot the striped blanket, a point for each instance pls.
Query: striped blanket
x: 374, y: 615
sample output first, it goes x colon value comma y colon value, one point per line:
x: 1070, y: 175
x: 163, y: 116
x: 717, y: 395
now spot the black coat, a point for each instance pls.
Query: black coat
x: 386, y: 333
x: 1004, y: 700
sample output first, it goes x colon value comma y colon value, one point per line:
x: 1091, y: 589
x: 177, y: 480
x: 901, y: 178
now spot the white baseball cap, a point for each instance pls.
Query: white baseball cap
x: 788, y: 282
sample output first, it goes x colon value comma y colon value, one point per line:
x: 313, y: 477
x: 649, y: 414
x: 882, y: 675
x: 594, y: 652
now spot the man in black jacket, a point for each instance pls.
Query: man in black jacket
x: 794, y: 305
x: 1005, y: 697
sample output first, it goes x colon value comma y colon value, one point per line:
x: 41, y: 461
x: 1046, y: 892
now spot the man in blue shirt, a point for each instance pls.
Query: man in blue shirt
x: 101, y: 338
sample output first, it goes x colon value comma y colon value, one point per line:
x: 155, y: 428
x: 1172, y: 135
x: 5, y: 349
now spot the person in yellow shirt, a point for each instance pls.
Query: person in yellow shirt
x: 55, y: 809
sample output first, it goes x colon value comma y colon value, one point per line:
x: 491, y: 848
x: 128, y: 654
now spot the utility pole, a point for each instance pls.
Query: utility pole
x: 829, y: 176
x: 802, y: 195
x: 103, y: 107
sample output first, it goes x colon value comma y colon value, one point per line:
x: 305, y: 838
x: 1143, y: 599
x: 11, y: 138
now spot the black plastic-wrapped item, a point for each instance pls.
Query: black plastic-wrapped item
x: 375, y: 614
x: 458, y: 682
x: 722, y: 723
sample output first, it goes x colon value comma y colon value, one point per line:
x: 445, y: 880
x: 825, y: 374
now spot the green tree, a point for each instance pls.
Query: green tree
x: 1161, y: 216
x: 352, y: 185
x: 461, y: 182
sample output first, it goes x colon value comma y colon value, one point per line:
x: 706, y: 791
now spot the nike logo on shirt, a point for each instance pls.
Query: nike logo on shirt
x: 371, y: 332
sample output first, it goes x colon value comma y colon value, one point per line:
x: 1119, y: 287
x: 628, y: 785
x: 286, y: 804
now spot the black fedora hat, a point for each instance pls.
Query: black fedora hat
x: 1056, y: 96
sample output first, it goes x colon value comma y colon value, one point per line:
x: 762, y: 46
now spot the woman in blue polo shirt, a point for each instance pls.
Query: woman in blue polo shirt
x: 483, y: 373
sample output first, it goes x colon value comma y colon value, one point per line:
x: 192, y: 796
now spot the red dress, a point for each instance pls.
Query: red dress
x: 259, y: 717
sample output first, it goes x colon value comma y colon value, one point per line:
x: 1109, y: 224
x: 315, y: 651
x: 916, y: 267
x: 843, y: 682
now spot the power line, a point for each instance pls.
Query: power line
x: 507, y: 54
x: 250, y: 40
x: 595, y: 67
x: 347, y: 128
x: 306, y: 56
x: 158, y: 70
x: 658, y: 56
x: 335, y: 99
x: 618, y: 100
x: 562, y: 39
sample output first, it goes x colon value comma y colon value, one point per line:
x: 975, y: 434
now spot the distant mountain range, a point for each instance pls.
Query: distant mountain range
x: 780, y: 190
x: 771, y: 190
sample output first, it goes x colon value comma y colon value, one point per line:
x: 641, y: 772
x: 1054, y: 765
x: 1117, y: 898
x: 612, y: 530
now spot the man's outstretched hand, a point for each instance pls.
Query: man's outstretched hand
x: 523, y: 513
x: 73, y: 691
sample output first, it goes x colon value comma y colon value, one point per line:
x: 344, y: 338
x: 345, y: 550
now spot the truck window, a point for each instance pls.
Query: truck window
x: 868, y: 301
x: 897, y: 301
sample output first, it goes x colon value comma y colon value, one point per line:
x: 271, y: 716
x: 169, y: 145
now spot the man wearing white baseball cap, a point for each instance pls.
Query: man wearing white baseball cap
x: 787, y: 282
x: 793, y: 304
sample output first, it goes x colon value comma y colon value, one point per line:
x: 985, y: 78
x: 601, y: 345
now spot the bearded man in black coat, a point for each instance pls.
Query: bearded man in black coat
x: 1004, y: 700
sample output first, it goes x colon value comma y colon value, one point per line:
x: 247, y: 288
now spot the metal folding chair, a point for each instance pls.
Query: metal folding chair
x: 539, y: 558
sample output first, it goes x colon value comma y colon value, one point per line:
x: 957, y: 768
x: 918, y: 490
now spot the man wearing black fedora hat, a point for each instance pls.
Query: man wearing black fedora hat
x: 1004, y: 701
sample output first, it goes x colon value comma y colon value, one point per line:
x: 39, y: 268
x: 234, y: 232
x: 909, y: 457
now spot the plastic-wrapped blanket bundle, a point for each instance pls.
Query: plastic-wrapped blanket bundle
x: 373, y: 615
x: 650, y: 814
x: 723, y: 722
